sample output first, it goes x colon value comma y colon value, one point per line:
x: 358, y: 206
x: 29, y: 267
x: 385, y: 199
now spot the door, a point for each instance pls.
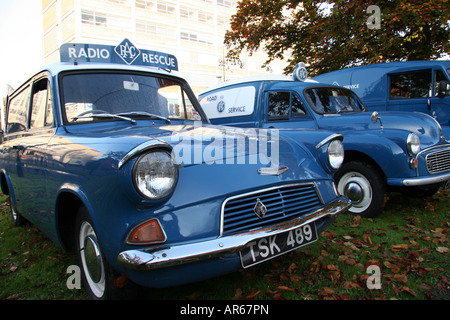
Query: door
x: 29, y: 129
x: 284, y: 109
x: 440, y: 102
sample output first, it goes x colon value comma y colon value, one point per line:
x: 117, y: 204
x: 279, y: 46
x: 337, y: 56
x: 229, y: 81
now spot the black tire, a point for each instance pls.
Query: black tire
x: 364, y: 186
x: 96, y: 273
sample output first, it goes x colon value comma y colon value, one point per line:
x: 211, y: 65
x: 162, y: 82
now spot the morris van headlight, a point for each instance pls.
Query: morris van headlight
x: 413, y: 144
x: 336, y: 154
x: 155, y: 174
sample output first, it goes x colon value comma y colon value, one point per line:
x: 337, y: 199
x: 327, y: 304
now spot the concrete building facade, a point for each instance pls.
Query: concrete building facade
x: 192, y: 30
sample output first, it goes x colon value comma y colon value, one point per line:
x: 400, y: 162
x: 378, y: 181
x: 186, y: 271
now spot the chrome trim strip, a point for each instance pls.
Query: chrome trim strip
x: 163, y: 256
x: 141, y: 148
x: 419, y: 181
x: 273, y: 171
x: 328, y: 139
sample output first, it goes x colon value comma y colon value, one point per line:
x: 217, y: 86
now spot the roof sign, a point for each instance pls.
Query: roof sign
x: 124, y: 53
x: 300, y: 73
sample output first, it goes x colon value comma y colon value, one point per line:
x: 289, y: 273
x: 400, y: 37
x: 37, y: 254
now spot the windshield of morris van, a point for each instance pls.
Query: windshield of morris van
x: 93, y: 97
x: 327, y: 100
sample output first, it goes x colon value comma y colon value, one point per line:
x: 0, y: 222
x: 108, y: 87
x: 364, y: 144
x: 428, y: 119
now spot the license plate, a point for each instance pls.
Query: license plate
x: 266, y: 248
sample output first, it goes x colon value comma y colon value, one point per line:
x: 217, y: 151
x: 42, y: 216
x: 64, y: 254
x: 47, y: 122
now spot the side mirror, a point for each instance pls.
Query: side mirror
x: 374, y: 117
x: 442, y: 88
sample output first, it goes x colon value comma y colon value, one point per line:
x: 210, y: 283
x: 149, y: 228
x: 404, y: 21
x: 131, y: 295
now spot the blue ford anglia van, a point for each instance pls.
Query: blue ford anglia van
x: 118, y: 162
x: 422, y: 86
x: 384, y: 151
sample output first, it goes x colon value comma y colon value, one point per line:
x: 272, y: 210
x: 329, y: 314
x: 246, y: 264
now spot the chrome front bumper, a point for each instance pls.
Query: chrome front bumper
x: 163, y: 256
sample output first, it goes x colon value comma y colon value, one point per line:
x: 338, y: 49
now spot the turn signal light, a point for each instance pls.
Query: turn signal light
x: 414, y: 163
x: 147, y: 233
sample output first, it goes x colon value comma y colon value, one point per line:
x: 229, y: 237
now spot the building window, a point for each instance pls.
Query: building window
x: 187, y: 13
x: 205, y: 17
x: 165, y: 7
x: 155, y: 29
x: 144, y: 4
x: 225, y: 3
x: 93, y: 18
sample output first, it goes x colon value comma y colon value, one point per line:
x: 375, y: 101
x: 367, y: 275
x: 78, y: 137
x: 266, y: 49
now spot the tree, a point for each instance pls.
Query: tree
x: 331, y: 35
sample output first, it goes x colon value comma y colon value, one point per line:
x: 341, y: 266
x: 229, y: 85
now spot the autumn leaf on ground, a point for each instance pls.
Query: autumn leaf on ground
x: 442, y: 249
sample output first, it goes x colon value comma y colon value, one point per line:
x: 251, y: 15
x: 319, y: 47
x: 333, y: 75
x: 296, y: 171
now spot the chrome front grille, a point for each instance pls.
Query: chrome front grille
x: 282, y: 203
x: 438, y: 161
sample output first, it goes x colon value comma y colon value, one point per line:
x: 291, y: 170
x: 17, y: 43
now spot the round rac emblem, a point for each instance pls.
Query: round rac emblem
x: 221, y: 106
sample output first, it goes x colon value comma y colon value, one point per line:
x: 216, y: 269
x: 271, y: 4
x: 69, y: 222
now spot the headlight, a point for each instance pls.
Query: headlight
x: 155, y: 174
x: 413, y: 144
x: 335, y: 154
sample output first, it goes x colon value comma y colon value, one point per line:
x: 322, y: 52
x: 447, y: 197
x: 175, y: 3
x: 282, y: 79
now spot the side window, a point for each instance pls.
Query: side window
x: 411, y: 85
x: 18, y: 111
x: 278, y: 108
x: 298, y: 109
x: 281, y: 102
x: 39, y: 104
x: 439, y: 76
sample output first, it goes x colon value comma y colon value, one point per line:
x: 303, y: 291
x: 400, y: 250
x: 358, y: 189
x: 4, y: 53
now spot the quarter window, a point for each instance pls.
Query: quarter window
x: 411, y: 85
x: 18, y: 111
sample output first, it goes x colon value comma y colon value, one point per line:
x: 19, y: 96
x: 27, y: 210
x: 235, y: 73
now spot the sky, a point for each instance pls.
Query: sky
x: 21, y: 51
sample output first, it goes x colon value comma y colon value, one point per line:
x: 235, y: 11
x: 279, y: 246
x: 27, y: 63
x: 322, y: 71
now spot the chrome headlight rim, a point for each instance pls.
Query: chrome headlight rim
x: 140, y: 174
x: 335, y: 154
x: 413, y: 144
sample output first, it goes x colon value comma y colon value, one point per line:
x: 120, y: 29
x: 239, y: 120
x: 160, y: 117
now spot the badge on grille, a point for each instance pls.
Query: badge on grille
x: 260, y: 209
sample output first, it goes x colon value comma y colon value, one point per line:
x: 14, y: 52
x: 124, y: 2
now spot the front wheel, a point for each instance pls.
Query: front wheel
x: 97, y: 275
x: 364, y: 186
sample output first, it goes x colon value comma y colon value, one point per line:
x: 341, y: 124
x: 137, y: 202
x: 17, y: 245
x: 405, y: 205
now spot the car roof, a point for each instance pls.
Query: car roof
x: 258, y: 78
x: 55, y: 68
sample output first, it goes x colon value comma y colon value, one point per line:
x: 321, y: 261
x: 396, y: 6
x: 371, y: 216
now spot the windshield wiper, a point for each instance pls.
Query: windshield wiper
x: 91, y: 114
x: 144, y: 114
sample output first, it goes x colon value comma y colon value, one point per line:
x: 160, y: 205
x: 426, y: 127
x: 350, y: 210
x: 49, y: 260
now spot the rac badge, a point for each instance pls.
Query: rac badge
x: 260, y: 209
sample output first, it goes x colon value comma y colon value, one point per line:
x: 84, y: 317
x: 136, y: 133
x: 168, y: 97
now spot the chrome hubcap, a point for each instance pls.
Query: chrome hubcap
x: 91, y: 259
x: 357, y: 188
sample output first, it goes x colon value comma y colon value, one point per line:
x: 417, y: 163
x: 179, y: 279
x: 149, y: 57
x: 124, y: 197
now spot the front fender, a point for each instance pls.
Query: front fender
x: 389, y: 155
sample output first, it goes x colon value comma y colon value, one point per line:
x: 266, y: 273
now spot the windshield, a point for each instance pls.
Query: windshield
x: 325, y: 100
x: 89, y: 97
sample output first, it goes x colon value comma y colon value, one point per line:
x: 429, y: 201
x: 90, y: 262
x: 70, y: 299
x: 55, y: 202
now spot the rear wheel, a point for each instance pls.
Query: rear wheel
x: 364, y: 186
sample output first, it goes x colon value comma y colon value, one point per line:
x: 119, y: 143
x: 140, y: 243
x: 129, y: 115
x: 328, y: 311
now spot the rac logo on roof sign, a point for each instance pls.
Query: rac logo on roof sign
x: 124, y: 53
x: 127, y: 51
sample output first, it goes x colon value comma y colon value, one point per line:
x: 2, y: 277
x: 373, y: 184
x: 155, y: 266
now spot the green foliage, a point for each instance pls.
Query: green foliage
x: 330, y: 35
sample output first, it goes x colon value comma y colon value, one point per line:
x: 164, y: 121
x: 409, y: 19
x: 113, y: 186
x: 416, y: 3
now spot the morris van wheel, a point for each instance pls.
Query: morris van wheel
x: 97, y: 275
x: 17, y: 219
x: 364, y: 186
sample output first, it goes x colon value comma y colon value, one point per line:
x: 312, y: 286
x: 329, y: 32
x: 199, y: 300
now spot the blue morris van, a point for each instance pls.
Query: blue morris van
x: 422, y: 86
x: 384, y: 151
x: 118, y: 162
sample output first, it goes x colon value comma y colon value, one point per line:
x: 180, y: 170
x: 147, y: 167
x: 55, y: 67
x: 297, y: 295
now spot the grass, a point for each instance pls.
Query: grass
x: 408, y: 243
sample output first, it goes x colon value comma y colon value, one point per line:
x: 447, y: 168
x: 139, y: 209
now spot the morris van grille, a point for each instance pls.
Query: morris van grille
x: 438, y: 161
x: 283, y: 203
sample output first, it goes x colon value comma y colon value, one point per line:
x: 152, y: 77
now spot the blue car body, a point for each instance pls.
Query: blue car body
x: 81, y: 154
x: 374, y: 142
x: 400, y: 86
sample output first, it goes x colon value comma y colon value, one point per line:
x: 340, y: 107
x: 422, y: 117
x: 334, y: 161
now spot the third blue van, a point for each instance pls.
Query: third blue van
x: 421, y: 86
